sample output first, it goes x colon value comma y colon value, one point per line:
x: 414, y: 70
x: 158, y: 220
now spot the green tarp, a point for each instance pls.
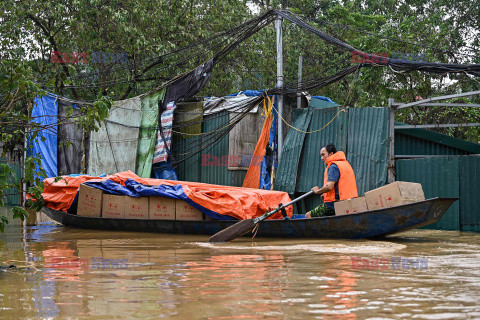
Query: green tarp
x: 148, y: 133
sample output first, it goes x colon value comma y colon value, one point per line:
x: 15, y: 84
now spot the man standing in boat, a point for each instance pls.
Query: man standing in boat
x: 339, y: 182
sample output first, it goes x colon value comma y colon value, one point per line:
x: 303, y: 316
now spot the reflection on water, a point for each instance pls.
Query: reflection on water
x: 65, y: 272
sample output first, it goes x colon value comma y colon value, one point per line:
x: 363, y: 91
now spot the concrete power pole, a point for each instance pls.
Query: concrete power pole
x: 278, y: 27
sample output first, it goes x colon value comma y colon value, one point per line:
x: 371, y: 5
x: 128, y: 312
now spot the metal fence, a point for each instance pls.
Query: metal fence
x: 448, y: 176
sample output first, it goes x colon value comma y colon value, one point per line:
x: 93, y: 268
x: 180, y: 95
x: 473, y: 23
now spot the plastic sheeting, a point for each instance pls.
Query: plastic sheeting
x: 45, y: 112
x: 190, y: 84
x: 217, y: 201
x: 229, y: 103
x: 148, y: 133
x: 114, y: 147
x: 69, y: 152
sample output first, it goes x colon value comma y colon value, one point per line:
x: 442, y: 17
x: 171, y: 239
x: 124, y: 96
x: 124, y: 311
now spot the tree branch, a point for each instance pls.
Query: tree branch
x: 52, y: 41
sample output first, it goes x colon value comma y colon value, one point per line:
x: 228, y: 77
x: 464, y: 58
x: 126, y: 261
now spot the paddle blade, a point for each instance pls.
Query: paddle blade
x: 235, y: 231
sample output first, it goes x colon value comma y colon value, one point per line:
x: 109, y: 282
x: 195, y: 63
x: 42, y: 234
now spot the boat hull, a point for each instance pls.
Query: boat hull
x: 367, y: 224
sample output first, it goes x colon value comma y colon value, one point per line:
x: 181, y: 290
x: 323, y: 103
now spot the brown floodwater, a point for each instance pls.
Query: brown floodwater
x: 85, y: 274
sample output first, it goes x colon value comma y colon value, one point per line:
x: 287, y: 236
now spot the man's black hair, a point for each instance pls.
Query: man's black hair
x: 330, y: 148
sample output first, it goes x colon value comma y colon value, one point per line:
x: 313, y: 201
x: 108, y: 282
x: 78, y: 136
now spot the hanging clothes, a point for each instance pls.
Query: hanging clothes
x: 148, y: 133
x: 44, y: 113
x: 113, y: 148
x: 70, y: 136
x: 164, y: 136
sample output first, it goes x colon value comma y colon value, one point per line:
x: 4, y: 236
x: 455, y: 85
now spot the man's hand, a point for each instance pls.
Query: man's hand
x: 316, y: 190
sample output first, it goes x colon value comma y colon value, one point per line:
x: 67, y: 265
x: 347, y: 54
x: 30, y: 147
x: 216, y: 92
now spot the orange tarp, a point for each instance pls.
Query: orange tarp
x: 240, y: 203
x: 252, y: 179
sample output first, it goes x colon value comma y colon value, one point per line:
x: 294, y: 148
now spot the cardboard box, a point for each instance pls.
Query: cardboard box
x: 113, y: 206
x: 89, y: 201
x: 350, y: 206
x: 394, y: 194
x: 136, y: 208
x: 161, y: 208
x: 184, y: 211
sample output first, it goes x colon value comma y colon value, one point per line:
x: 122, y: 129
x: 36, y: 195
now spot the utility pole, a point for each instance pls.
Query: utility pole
x: 278, y: 27
x: 300, y: 69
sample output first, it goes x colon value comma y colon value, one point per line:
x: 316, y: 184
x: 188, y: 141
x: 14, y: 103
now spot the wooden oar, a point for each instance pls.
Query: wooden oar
x: 242, y: 227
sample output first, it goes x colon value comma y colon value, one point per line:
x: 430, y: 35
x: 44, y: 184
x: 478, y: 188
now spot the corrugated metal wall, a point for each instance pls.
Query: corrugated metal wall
x: 367, y: 146
x: 362, y: 133
x: 183, y: 148
x: 440, y: 177
x: 311, y: 167
x: 13, y: 196
x: 218, y: 174
x: 286, y: 176
x: 410, y: 145
x: 469, y: 167
x: 213, y: 169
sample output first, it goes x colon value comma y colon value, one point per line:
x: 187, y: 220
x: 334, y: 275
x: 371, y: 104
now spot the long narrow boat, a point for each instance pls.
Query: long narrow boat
x: 367, y: 224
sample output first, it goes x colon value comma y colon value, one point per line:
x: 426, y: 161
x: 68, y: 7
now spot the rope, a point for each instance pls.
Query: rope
x: 307, y: 132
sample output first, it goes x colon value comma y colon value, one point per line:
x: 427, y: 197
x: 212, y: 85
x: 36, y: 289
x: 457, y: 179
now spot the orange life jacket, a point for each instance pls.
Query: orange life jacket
x: 347, y: 185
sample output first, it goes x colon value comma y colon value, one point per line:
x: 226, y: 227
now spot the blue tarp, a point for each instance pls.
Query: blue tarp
x: 133, y: 188
x: 45, y: 112
x: 248, y: 93
x: 323, y: 98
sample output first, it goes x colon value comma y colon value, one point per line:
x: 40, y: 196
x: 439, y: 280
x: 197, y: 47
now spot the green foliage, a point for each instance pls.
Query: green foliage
x: 30, y: 30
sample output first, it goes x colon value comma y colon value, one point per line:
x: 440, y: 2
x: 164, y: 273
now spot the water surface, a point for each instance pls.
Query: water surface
x: 72, y: 273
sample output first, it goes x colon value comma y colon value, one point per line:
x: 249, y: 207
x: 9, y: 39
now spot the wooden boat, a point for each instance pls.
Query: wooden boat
x: 367, y: 224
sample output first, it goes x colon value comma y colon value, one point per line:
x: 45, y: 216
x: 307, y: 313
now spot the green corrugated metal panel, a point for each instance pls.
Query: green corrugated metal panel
x: 367, y: 146
x: 471, y: 228
x: 292, y: 149
x: 218, y: 173
x: 237, y: 177
x: 320, y: 103
x: 439, y: 178
x: 189, y: 169
x: 411, y: 145
x: 13, y: 194
x: 311, y: 167
x: 422, y: 141
x: 311, y: 203
x: 469, y: 190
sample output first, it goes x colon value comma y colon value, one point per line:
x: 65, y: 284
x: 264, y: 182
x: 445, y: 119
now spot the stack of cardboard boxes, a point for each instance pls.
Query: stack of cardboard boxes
x: 93, y: 202
x: 393, y: 194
